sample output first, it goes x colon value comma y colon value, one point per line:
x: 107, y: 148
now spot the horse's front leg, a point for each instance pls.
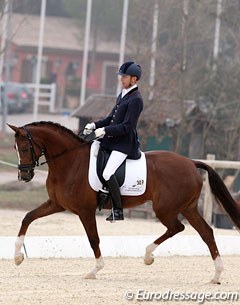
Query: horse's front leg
x: 47, y: 208
x: 88, y: 220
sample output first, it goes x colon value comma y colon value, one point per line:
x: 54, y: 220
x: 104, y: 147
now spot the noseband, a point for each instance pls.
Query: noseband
x: 35, y: 161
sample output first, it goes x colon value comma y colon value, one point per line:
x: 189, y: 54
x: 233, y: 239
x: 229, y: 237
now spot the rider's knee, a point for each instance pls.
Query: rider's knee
x: 106, y: 175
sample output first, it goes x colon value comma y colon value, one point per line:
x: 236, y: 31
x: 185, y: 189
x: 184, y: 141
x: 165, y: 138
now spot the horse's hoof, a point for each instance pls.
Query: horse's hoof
x: 90, y: 276
x: 19, y: 259
x: 149, y: 260
x: 213, y: 281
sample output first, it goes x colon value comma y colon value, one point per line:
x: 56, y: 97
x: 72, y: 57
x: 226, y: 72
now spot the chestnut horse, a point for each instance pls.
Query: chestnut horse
x: 173, y: 185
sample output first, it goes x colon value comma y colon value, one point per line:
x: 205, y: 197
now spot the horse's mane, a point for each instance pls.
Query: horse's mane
x: 56, y: 126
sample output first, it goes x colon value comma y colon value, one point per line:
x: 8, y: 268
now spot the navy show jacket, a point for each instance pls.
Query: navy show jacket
x: 120, y: 125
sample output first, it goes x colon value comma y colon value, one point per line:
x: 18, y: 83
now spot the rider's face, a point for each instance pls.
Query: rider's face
x: 128, y: 81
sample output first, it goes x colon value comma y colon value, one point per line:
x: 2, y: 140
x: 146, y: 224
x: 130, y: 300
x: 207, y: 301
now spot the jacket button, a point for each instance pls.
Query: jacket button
x: 111, y: 121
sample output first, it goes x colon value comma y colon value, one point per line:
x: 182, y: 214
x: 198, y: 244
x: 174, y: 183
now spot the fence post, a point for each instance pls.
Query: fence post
x: 208, y: 203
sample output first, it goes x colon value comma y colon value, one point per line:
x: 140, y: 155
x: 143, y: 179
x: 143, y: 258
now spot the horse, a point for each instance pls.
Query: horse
x: 174, y: 183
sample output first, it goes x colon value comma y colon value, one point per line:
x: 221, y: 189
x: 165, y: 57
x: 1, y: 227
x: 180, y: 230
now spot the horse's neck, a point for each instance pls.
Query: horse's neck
x: 57, y: 144
x: 63, y: 153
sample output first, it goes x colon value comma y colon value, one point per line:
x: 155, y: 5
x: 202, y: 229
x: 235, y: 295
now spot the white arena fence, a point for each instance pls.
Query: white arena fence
x: 116, y: 246
x: 47, y: 94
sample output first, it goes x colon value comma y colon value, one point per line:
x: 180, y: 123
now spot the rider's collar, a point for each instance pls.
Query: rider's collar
x: 125, y: 91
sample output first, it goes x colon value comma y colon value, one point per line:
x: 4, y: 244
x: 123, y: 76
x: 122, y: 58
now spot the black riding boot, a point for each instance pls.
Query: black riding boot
x: 117, y: 212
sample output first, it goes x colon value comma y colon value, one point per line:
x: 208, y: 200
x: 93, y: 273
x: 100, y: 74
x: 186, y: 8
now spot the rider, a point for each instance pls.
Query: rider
x: 118, y: 131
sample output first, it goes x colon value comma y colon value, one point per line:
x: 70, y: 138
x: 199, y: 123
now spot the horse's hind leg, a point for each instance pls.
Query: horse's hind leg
x: 88, y: 220
x: 206, y: 233
x: 47, y: 208
x: 174, y: 226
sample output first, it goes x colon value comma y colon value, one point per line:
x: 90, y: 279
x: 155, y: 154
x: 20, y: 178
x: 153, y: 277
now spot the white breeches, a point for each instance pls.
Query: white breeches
x: 115, y: 160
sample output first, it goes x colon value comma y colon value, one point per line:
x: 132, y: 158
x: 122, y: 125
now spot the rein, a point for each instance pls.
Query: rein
x: 60, y: 154
x: 86, y: 139
x: 35, y: 162
x: 89, y: 138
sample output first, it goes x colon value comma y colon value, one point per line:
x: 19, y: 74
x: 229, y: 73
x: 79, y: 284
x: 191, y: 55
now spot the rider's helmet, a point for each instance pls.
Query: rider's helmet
x: 130, y: 68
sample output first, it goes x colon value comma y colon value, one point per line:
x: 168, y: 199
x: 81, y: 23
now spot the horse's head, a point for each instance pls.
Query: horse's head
x: 28, y: 152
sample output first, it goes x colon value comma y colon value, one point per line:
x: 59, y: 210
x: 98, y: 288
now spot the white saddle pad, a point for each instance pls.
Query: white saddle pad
x: 135, y: 175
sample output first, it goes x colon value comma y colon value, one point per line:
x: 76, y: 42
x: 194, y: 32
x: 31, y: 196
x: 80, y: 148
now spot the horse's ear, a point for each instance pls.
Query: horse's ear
x: 14, y: 128
x: 18, y: 130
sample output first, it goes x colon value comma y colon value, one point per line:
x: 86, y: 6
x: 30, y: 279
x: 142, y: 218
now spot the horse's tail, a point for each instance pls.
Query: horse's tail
x: 221, y: 193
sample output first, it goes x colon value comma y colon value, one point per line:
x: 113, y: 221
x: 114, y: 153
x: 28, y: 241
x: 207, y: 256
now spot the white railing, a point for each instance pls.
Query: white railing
x: 208, y: 203
x: 47, y: 94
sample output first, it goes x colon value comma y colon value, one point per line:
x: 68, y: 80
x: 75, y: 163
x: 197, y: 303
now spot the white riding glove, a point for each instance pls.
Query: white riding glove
x: 89, y: 128
x: 100, y: 133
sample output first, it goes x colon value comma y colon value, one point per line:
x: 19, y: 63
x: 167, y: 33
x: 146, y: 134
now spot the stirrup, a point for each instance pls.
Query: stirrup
x: 116, y: 214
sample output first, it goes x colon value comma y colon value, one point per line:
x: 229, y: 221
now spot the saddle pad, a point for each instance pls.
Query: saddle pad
x: 135, y: 178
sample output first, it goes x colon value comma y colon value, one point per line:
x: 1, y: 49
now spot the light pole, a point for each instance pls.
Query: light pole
x: 153, y: 50
x: 7, y: 67
x: 217, y: 34
x: 3, y: 38
x: 85, y: 52
x: 39, y: 59
x: 123, y: 37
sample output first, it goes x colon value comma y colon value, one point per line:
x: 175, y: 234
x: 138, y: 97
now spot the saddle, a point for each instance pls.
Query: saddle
x: 132, y: 175
x: 102, y: 158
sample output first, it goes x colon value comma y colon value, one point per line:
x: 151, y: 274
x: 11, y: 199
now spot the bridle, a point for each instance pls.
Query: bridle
x: 29, y: 168
x: 35, y: 160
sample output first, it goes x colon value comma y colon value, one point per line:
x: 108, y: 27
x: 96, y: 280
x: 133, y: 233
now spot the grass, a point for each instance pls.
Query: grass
x: 25, y: 198
x: 7, y: 141
x: 7, y: 152
x: 10, y: 157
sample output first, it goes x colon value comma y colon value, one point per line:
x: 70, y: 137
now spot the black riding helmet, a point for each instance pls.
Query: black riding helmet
x: 130, y: 68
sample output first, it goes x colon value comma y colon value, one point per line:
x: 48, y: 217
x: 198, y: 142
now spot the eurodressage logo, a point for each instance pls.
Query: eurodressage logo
x: 198, y: 297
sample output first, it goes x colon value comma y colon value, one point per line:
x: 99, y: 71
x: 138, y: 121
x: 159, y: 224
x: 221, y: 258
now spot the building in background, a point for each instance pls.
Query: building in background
x: 62, y: 58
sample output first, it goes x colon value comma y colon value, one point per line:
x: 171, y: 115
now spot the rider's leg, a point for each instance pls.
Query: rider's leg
x: 117, y: 212
x: 115, y: 160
